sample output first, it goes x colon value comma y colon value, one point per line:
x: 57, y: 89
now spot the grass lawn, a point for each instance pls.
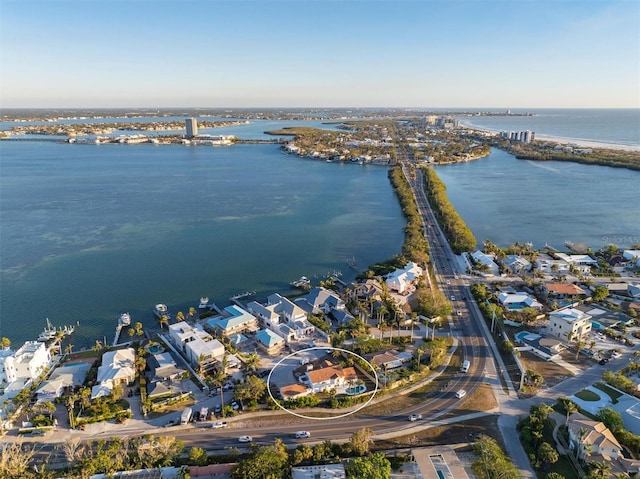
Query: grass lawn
x: 587, y: 395
x: 613, y: 394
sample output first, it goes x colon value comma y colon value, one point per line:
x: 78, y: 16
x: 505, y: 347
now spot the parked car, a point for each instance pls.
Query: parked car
x: 603, y: 361
x: 170, y: 423
x: 219, y: 425
x: 303, y: 434
x: 460, y: 394
x: 217, y: 409
x: 245, y: 439
x: 453, y: 298
x: 459, y: 313
x: 415, y: 417
x: 616, y: 355
x: 235, y: 406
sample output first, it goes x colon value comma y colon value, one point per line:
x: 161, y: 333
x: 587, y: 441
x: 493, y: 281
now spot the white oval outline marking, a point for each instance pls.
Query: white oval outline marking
x: 277, y: 403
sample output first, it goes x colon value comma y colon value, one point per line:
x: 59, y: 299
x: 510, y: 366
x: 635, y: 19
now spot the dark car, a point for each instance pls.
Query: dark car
x: 603, y: 361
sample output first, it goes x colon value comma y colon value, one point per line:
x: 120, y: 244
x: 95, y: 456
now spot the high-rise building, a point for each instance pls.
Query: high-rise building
x: 191, y: 125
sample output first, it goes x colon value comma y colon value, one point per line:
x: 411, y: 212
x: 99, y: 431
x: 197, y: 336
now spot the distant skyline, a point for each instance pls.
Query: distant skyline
x: 306, y: 53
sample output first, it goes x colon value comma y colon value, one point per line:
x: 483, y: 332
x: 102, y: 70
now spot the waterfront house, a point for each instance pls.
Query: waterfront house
x: 118, y: 367
x: 321, y: 300
x: 162, y: 367
x: 269, y: 341
x: 197, y: 346
x: 386, y: 360
x: 62, y: 378
x: 633, y: 257
x: 517, y: 301
x: 402, y: 280
x: 292, y: 314
x: 236, y: 320
x: 516, y: 264
x: 23, y: 366
x: 548, y: 265
x: 486, y: 261
x: 334, y: 376
x: 321, y: 471
x: 568, y: 324
x: 266, y: 314
x: 369, y: 290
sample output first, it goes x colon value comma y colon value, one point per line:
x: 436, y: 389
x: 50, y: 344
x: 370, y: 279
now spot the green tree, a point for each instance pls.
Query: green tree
x: 611, y: 418
x: 5, y: 343
x: 547, y: 454
x: 198, y: 456
x: 373, y: 466
x: 554, y: 475
x: 268, y: 462
x: 569, y: 407
x: 361, y: 441
x: 492, y: 461
x: 600, y: 293
x: 252, y: 388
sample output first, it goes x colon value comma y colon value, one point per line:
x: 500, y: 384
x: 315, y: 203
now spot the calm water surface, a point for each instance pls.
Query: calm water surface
x: 90, y: 231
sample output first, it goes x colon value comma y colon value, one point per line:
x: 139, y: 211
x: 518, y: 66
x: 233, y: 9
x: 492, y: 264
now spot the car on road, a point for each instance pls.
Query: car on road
x: 245, y: 439
x: 460, y: 394
x: 448, y: 282
x: 415, y: 417
x: 455, y: 276
x: 219, y: 425
x: 303, y: 434
x: 453, y: 298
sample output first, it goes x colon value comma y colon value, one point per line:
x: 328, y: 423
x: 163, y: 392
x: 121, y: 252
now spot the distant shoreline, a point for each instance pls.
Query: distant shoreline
x: 561, y: 140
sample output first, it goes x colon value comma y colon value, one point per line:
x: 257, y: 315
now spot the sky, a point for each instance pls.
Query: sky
x: 312, y: 53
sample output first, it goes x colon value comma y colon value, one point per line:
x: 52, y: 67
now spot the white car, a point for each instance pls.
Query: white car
x: 245, y: 439
x: 448, y: 282
x: 460, y: 394
x: 453, y: 298
x: 616, y: 355
x: 415, y: 417
x: 219, y: 424
x: 459, y: 313
x: 303, y: 434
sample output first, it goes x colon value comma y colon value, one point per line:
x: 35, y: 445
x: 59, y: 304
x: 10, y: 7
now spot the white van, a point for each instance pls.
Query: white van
x: 460, y: 394
x: 465, y: 366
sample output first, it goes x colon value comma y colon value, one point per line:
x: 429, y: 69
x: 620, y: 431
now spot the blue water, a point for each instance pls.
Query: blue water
x: 505, y: 200
x: 610, y: 126
x: 89, y: 231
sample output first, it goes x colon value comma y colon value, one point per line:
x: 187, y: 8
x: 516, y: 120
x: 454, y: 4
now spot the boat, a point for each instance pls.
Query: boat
x: 161, y: 310
x: 303, y: 283
x: 125, y: 319
x: 204, y: 302
x: 48, y: 333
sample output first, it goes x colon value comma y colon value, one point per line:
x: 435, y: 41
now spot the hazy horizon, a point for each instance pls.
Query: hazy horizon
x: 289, y: 54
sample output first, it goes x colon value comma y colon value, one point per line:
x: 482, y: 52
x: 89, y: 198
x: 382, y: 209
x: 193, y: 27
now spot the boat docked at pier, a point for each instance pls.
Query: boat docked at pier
x: 204, y: 302
x: 125, y: 319
x: 303, y: 283
x: 161, y: 310
x: 50, y: 333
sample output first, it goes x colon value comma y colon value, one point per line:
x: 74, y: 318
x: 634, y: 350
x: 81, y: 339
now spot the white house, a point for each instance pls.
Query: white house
x: 633, y: 256
x: 402, y: 280
x: 548, y: 265
x: 518, y: 300
x: 118, y: 367
x: 321, y: 300
x: 266, y: 314
x: 62, y: 377
x: 330, y: 377
x: 486, y: 260
x: 195, y: 343
x: 592, y: 437
x: 516, y: 264
x: 578, y: 262
x: 292, y: 314
x: 568, y: 324
x: 20, y: 368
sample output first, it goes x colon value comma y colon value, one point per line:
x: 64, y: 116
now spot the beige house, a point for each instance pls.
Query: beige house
x: 568, y: 324
x: 590, y: 437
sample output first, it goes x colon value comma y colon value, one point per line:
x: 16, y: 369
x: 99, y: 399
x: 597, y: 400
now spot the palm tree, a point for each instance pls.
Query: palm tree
x: 5, y: 343
x: 68, y: 348
x: 98, y: 345
x: 252, y: 362
x: 139, y: 330
x: 192, y: 312
x: 601, y: 469
x: 164, y: 320
x: 180, y: 316
x: 218, y: 379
